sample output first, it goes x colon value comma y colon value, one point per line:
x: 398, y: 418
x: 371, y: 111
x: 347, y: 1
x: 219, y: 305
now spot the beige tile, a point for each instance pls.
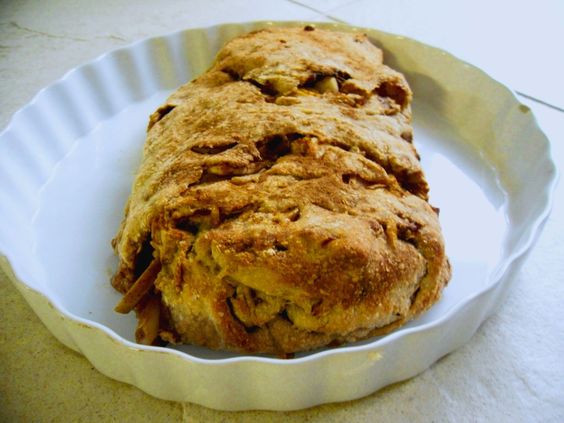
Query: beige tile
x: 130, y: 20
x: 58, y: 35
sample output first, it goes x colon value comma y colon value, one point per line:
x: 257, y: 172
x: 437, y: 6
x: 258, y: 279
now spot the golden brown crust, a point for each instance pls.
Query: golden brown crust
x: 282, y: 195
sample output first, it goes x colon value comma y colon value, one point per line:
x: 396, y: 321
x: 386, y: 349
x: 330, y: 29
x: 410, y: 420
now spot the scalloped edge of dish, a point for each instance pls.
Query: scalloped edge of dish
x: 348, y: 373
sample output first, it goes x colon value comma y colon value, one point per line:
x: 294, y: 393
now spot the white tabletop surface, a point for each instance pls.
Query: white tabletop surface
x: 511, y: 370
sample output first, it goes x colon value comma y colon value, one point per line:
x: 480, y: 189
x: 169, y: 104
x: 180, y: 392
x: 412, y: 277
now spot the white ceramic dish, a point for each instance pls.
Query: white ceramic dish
x: 68, y: 158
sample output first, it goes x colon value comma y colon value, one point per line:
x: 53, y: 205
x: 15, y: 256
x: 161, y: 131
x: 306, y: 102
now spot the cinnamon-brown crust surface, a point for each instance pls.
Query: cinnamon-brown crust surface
x: 284, y: 199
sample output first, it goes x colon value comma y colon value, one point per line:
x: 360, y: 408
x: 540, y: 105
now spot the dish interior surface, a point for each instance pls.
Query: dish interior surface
x: 82, y: 205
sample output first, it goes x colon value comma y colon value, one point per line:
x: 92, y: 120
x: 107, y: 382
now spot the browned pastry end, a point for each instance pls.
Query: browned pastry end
x: 281, y: 202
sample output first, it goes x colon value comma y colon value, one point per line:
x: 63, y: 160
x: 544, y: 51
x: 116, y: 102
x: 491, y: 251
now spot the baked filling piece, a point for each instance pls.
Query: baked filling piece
x: 280, y: 205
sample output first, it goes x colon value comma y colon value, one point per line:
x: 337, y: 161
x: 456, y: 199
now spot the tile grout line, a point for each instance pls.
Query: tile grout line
x: 536, y: 100
x: 313, y: 9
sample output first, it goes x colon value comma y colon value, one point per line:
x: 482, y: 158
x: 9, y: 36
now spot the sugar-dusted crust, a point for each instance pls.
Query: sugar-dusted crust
x: 283, y: 197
